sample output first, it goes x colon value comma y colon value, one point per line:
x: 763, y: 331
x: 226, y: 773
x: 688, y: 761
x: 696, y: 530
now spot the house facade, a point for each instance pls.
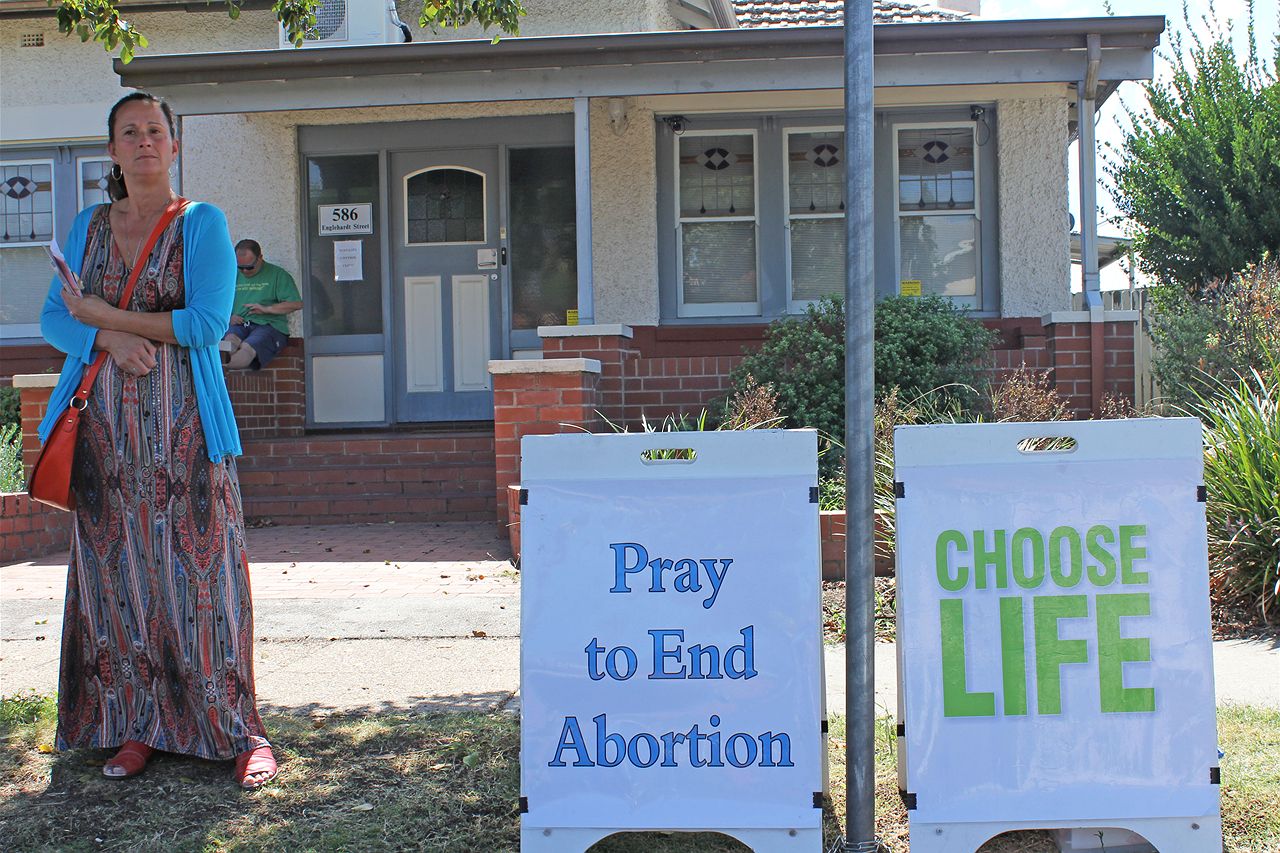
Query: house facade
x: 633, y: 188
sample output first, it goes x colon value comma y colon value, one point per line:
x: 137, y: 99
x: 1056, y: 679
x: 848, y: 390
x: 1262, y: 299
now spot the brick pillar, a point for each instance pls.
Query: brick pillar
x: 609, y: 344
x: 35, y: 390
x: 538, y: 397
x: 1069, y: 342
x: 1091, y: 357
x: 1119, y: 371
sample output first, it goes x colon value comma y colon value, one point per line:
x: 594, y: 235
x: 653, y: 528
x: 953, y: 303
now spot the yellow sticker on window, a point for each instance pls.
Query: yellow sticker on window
x: 571, y: 317
x: 910, y: 287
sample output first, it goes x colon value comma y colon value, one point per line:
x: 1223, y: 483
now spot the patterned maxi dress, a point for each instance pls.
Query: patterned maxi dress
x: 158, y: 629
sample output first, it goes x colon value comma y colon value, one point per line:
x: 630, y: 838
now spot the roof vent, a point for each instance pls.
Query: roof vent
x: 31, y: 40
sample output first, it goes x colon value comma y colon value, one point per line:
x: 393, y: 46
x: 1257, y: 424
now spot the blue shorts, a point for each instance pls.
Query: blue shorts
x: 265, y: 340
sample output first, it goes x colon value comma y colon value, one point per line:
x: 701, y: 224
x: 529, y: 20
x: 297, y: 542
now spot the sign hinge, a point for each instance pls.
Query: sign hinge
x: 817, y: 799
x: 524, y: 805
x: 524, y: 497
x: 899, y: 489
x: 1215, y: 776
x: 908, y: 799
x: 813, y: 494
x: 824, y: 727
x: 1202, y: 494
x: 902, y: 730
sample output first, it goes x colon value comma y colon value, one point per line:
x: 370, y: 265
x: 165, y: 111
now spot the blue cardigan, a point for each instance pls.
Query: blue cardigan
x: 209, y: 278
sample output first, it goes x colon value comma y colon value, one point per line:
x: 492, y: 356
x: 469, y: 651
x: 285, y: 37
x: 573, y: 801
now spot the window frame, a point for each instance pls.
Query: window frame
x: 80, y: 160
x: 795, y: 306
x: 484, y: 197
x: 716, y: 309
x: 52, y: 163
x: 772, y: 260
x: 968, y: 303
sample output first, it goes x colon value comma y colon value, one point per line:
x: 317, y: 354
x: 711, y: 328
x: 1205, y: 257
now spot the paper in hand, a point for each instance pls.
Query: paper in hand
x: 60, y: 266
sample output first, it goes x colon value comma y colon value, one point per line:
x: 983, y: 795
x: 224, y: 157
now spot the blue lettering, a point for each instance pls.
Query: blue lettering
x: 747, y: 670
x: 620, y: 567
x: 571, y: 738
x: 715, y: 579
x: 767, y: 740
x: 731, y: 751
x: 593, y: 651
x: 611, y: 663
x: 633, y: 749
x: 604, y: 741
x: 661, y: 653
x: 687, y: 579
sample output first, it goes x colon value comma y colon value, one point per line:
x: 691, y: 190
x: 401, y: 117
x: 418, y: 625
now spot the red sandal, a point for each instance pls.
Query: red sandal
x: 129, y: 760
x: 252, y: 762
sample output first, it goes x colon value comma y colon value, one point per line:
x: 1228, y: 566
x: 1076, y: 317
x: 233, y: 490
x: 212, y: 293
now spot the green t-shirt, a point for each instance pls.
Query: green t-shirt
x: 269, y: 286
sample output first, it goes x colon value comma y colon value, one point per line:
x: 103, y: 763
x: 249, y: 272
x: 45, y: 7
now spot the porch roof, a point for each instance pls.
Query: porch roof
x: 636, y: 64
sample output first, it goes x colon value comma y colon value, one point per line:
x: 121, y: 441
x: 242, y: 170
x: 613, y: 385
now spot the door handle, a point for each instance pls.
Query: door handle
x: 503, y: 256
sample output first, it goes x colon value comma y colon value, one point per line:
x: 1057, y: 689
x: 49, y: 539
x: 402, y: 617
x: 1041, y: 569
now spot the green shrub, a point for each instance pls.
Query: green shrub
x: 1218, y: 337
x: 1242, y: 477
x: 11, y: 459
x: 925, y: 347
x: 10, y: 410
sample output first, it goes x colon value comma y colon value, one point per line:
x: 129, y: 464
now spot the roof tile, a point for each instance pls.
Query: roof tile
x: 813, y: 13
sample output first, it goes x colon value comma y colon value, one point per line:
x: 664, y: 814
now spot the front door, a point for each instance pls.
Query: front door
x: 445, y: 282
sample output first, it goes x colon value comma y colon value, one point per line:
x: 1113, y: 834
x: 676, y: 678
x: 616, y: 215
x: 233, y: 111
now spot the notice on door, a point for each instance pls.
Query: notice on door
x: 337, y: 220
x: 348, y: 260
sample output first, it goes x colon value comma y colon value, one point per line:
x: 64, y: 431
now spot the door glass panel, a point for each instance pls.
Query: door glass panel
x: 343, y: 307
x: 544, y: 237
x: 444, y: 206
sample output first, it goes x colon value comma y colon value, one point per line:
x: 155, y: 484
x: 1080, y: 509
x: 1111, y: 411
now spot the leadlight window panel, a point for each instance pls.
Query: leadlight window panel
x: 445, y: 205
x: 940, y: 252
x: 544, y: 236
x: 26, y: 202
x: 717, y: 175
x: 92, y: 181
x: 815, y: 203
x: 936, y: 169
x: 815, y: 173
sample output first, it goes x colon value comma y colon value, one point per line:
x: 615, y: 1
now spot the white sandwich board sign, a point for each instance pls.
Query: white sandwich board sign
x: 670, y: 659
x: 1055, y: 662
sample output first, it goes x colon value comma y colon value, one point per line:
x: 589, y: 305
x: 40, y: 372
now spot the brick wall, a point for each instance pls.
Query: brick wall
x: 22, y: 359
x: 29, y: 530
x: 534, y: 398
x: 34, y: 404
x: 271, y: 401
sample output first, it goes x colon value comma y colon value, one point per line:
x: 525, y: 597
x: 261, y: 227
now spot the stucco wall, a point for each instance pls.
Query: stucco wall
x: 64, y: 89
x: 624, y: 203
x: 1035, y: 252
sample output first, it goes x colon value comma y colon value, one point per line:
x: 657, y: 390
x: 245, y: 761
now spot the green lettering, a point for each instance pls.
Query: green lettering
x: 1104, y: 572
x: 1066, y: 580
x: 1021, y: 538
x: 957, y: 701
x: 1130, y: 552
x: 1114, y: 650
x: 1013, y: 656
x: 995, y: 558
x: 945, y: 580
x: 1051, y: 650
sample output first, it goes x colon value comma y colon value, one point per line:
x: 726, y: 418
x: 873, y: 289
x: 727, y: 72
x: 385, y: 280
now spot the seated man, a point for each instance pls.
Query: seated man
x: 265, y: 296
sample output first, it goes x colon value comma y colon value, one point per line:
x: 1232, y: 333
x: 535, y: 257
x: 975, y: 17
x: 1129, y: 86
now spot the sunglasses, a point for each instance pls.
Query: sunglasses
x: 245, y: 266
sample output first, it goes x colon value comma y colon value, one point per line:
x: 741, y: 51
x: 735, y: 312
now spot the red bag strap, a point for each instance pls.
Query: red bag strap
x: 86, y: 384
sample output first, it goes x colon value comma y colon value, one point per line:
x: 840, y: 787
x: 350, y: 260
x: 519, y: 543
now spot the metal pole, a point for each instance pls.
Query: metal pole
x: 582, y: 188
x: 859, y: 431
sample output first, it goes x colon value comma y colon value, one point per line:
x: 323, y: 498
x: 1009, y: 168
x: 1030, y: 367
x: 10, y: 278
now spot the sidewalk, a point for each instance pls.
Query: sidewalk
x: 414, y: 617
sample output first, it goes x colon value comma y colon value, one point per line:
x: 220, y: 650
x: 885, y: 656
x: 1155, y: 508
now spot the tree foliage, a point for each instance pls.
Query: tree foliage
x: 100, y: 20
x: 1199, y: 170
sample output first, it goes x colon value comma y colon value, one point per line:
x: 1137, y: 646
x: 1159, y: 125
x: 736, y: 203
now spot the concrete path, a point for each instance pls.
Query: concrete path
x: 414, y: 617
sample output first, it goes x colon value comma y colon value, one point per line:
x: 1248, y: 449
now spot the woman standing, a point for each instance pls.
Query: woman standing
x: 158, y: 629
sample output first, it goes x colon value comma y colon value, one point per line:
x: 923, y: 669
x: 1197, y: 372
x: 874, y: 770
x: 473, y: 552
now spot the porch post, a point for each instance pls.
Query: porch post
x: 582, y: 188
x: 859, y: 408
x: 1091, y: 283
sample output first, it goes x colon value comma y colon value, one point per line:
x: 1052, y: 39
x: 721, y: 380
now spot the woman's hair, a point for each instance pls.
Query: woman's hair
x: 115, y: 186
